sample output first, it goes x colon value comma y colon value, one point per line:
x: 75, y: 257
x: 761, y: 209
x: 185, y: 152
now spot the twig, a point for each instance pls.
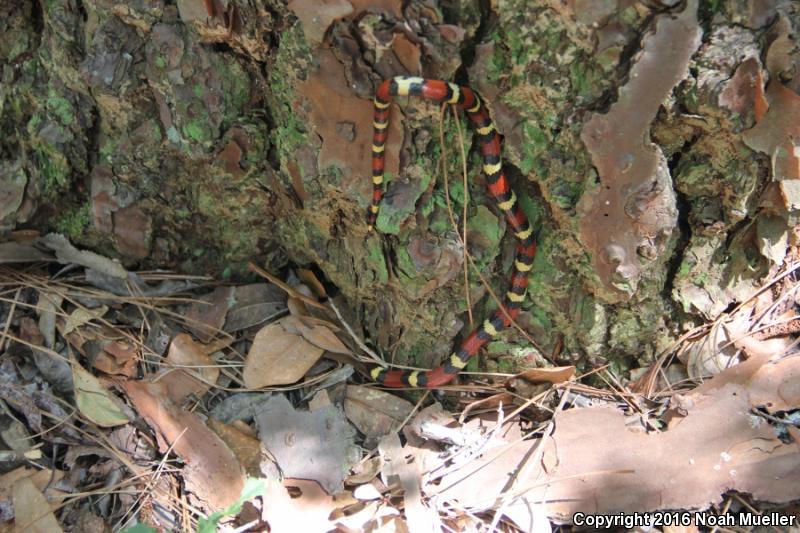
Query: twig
x: 446, y: 182
x: 353, y: 335
x: 8, y: 320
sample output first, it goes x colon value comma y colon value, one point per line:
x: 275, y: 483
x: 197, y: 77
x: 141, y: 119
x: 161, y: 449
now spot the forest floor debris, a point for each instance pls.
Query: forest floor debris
x: 187, y: 404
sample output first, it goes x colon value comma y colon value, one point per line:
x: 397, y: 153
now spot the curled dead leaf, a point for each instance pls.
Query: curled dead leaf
x: 554, y: 375
x: 317, y: 334
x: 188, y: 369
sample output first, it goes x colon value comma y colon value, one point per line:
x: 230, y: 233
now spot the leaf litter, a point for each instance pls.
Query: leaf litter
x: 241, y: 389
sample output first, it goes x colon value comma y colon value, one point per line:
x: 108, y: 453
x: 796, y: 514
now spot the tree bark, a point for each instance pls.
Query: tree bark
x: 653, y: 145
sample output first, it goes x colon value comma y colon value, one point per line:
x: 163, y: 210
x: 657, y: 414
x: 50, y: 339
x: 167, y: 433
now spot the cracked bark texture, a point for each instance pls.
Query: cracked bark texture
x: 653, y: 146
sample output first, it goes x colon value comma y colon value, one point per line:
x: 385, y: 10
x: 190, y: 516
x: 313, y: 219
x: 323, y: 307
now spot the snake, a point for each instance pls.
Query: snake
x: 504, y: 197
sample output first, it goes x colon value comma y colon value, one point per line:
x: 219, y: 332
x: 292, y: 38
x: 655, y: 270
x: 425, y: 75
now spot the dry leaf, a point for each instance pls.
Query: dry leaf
x: 43, y: 480
x: 278, y: 357
x: 246, y: 447
x: 206, y: 316
x: 117, y: 358
x: 82, y: 316
x: 66, y: 254
x: 398, y: 466
x: 770, y: 347
x: 769, y: 384
x: 32, y: 512
x: 49, y: 307
x: 364, y: 471
x: 289, y: 290
x: 314, y: 445
x: 717, y: 446
x: 211, y: 470
x: 489, y: 402
x: 367, y: 492
x: 296, y: 306
x: 375, y: 413
x: 255, y: 303
x: 481, y: 483
x: 94, y: 401
x: 318, y: 335
x: 309, y: 278
x: 55, y: 369
x: 180, y: 379
x: 555, y: 375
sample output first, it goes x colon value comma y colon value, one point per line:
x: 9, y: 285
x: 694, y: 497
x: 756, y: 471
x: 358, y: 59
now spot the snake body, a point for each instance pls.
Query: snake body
x: 496, y: 182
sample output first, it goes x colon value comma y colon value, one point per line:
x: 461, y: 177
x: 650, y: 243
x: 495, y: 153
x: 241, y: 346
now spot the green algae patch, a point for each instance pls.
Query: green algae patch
x: 484, y: 234
x: 61, y: 107
x: 74, y: 221
x: 375, y: 261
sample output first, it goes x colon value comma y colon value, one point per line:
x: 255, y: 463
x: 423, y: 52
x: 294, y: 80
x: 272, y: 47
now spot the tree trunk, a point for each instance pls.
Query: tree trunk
x: 653, y: 145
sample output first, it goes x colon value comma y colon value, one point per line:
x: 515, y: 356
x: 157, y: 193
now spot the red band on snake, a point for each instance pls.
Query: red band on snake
x: 496, y: 182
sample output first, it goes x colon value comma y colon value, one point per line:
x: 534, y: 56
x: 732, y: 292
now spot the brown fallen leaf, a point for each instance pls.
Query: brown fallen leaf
x: 44, y: 480
x: 309, y: 278
x: 364, y: 471
x: 104, y: 348
x: 296, y: 306
x: 245, y: 446
x: 31, y: 510
x: 255, y: 303
x: 278, y: 357
x: 374, y: 412
x: 770, y: 347
x: 714, y: 445
x: 772, y: 385
x: 417, y: 430
x: 188, y: 369
x: 289, y: 290
x: 49, y: 309
x: 490, y: 402
x: 483, y: 481
x: 206, y: 316
x: 211, y: 470
x: 117, y: 358
x: 555, y: 375
x: 317, y: 334
x: 717, y: 447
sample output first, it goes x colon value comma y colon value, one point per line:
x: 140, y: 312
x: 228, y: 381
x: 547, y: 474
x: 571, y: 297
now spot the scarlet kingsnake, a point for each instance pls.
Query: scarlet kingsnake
x: 467, y: 99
